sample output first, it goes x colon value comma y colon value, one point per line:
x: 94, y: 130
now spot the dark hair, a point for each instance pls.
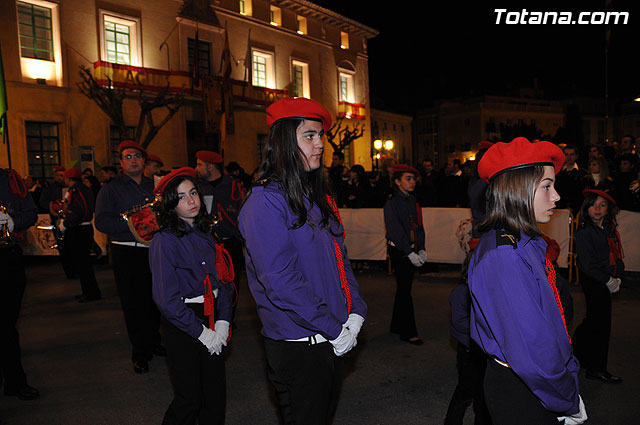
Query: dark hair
x: 109, y: 168
x: 570, y: 147
x: 87, y: 169
x: 168, y: 218
x: 283, y: 164
x: 233, y: 167
x: 588, y: 202
x: 510, y: 198
x: 359, y: 170
x: 340, y: 155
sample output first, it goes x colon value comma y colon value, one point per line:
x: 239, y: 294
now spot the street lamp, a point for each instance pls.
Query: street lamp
x: 388, y: 145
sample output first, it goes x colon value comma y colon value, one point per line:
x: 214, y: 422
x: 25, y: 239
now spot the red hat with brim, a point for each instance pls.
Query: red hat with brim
x: 130, y: 144
x: 184, y: 171
x: 299, y: 107
x: 519, y: 153
x: 209, y: 156
x: 73, y: 173
x: 58, y: 168
x: 403, y: 168
x: 156, y: 158
x: 597, y: 192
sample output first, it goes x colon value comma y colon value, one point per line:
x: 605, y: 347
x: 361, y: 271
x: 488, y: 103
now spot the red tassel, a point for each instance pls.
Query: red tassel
x: 551, y: 275
x: 339, y: 259
x: 17, y: 184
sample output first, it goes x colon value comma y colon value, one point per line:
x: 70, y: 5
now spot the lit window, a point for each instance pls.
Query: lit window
x: 120, y: 39
x: 43, y: 148
x: 263, y: 74
x: 39, y: 32
x: 300, y: 79
x: 302, y: 25
x: 36, y: 35
x: 344, y: 40
x: 245, y: 7
x: 346, y: 87
x: 275, y: 16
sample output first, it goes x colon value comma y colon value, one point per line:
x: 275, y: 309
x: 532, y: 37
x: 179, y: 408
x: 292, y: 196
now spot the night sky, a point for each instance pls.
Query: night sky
x: 452, y: 49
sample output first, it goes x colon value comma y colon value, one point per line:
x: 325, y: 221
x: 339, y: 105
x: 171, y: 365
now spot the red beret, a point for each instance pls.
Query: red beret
x: 184, y: 171
x: 209, y: 156
x: 519, y: 153
x: 403, y: 168
x: 156, y: 158
x: 130, y: 144
x: 298, y: 107
x: 597, y: 192
x: 73, y: 173
x: 58, y: 168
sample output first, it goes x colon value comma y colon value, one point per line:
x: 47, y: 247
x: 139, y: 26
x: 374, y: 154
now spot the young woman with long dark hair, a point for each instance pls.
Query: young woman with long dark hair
x: 192, y: 289
x: 297, y: 266
x: 517, y: 317
x: 599, y: 251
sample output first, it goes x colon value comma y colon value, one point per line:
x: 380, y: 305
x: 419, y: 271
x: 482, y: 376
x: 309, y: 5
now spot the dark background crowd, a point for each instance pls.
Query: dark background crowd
x: 612, y: 168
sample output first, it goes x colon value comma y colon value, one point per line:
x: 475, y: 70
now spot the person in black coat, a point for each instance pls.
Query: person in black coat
x: 601, y: 268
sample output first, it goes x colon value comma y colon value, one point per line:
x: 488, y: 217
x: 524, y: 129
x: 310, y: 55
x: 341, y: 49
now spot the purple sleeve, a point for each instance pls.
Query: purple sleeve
x: 166, y: 292
x: 509, y: 305
x: 278, y: 268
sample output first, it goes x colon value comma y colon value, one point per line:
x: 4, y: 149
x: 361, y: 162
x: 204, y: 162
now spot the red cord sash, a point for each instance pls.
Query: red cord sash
x: 615, y: 252
x: 226, y: 275
x: 551, y: 276
x: 339, y: 259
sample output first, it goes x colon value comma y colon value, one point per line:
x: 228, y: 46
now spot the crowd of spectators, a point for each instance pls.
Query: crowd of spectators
x: 612, y: 168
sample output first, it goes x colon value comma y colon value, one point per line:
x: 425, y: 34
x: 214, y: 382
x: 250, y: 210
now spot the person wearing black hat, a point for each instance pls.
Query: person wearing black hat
x: 599, y: 258
x: 131, y: 258
x: 517, y: 316
x: 406, y: 246
x: 298, y: 268
x: 78, y: 233
x: 193, y: 289
x: 20, y: 214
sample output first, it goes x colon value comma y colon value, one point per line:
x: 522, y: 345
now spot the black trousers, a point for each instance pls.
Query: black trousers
x: 510, y: 401
x: 591, y: 338
x: 197, y: 377
x: 66, y: 258
x: 78, y: 241
x: 133, y: 280
x: 306, y: 380
x: 471, y: 364
x: 403, y: 319
x: 11, y: 293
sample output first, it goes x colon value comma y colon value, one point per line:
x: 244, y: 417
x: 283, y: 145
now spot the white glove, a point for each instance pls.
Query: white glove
x: 576, y: 419
x: 344, y: 342
x: 613, y: 284
x: 221, y: 335
x: 415, y: 259
x: 423, y: 255
x: 354, y: 324
x: 207, y: 338
x: 6, y: 219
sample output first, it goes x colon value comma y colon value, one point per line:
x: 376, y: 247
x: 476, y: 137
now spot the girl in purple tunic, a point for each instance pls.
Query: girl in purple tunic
x: 194, y: 296
x: 516, y: 316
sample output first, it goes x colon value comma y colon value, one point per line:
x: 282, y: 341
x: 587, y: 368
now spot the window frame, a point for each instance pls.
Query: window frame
x: 45, y: 169
x: 348, y: 75
x: 135, y: 34
x: 33, y: 33
x: 270, y: 80
x: 190, y: 41
x: 305, y: 78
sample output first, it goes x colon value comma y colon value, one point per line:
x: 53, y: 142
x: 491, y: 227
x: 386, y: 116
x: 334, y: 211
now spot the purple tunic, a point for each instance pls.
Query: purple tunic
x: 178, y: 266
x: 515, y: 318
x: 293, y: 273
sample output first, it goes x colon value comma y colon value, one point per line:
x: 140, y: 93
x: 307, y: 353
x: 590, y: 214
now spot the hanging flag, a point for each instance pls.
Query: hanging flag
x: 247, y: 64
x: 227, y: 126
x: 196, y: 61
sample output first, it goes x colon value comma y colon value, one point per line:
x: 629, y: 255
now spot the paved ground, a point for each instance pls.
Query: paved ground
x: 78, y: 356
